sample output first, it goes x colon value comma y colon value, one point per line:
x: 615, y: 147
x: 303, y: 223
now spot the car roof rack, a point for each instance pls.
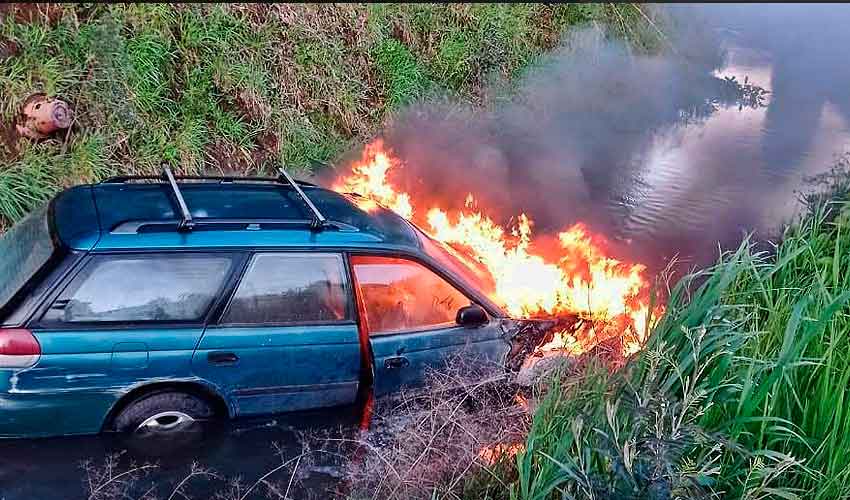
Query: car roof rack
x: 187, y: 222
x: 319, y: 220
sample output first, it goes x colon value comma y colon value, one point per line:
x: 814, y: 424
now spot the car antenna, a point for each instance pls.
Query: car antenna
x: 186, y: 223
x: 319, y: 220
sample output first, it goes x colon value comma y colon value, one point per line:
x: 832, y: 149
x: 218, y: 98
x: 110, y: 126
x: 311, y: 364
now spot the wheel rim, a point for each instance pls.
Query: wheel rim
x: 165, y: 421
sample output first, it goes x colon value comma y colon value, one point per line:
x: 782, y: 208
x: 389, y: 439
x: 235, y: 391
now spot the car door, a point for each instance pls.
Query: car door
x: 123, y: 320
x: 287, y: 340
x: 410, y: 314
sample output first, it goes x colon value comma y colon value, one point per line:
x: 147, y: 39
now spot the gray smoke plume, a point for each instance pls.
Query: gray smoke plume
x: 576, y: 141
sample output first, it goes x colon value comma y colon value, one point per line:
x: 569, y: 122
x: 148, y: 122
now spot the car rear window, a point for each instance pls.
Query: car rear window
x: 141, y: 288
x: 24, y: 249
x: 280, y: 288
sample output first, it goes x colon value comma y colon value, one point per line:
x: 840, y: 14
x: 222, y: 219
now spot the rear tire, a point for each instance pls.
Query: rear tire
x: 163, y: 412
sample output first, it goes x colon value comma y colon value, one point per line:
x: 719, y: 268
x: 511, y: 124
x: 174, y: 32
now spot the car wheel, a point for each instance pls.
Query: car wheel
x: 163, y: 412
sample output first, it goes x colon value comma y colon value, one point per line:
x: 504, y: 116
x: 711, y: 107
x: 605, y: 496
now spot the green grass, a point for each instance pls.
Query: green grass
x: 796, y: 368
x: 401, y: 72
x: 39, y: 173
x: 741, y: 392
x: 210, y: 87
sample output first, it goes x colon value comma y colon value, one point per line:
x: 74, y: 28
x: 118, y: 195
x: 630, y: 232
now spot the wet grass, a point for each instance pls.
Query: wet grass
x: 741, y: 391
x: 244, y: 88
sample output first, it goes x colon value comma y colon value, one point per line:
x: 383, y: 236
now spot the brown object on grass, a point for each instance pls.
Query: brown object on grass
x: 41, y: 116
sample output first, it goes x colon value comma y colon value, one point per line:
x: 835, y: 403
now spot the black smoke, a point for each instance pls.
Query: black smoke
x: 574, y: 143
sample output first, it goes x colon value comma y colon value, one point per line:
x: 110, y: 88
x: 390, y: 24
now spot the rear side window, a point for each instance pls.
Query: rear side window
x: 280, y: 288
x: 402, y: 295
x: 24, y: 250
x: 142, y: 288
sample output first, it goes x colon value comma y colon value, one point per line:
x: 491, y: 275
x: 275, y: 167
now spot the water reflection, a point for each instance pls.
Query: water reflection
x: 734, y: 172
x: 59, y: 468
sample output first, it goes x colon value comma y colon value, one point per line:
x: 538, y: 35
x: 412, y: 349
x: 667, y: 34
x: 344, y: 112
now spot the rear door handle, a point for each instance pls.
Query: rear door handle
x: 222, y: 358
x: 396, y: 362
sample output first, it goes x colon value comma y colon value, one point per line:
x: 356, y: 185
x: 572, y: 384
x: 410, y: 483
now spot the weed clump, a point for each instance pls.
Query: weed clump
x: 426, y: 443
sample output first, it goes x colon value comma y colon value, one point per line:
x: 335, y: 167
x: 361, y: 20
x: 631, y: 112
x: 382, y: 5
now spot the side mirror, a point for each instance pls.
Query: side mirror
x: 472, y: 316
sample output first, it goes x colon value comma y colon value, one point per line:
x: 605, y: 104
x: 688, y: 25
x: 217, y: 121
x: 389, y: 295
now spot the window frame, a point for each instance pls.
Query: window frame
x: 39, y: 275
x: 27, y: 309
x: 237, y: 259
x: 417, y: 261
x: 351, y: 313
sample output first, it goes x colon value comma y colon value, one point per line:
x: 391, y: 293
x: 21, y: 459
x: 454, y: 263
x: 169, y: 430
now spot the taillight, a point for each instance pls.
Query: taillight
x: 18, y: 348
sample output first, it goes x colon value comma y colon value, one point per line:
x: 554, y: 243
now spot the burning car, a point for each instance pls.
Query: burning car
x: 144, y: 303
x: 567, y: 287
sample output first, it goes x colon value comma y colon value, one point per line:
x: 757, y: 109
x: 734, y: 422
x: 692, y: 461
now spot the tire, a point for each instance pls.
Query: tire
x: 173, y: 411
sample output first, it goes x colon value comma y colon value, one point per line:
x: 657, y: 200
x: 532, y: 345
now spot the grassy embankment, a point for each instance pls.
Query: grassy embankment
x: 244, y: 88
x: 742, y: 391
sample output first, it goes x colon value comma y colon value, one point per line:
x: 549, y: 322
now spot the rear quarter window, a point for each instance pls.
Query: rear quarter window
x: 24, y: 250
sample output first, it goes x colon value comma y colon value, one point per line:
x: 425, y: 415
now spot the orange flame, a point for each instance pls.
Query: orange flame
x: 492, y: 454
x: 579, y: 280
x: 369, y: 179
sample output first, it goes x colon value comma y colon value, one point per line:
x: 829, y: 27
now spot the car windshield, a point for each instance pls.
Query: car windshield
x: 24, y: 249
x: 460, y: 263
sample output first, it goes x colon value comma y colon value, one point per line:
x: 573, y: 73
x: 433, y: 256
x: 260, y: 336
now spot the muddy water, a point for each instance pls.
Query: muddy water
x: 701, y: 182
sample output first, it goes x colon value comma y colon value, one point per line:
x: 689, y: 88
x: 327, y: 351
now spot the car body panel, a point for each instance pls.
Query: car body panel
x: 245, y: 239
x: 404, y: 359
x: 84, y: 372
x: 75, y: 218
x: 282, y: 368
x: 82, y: 215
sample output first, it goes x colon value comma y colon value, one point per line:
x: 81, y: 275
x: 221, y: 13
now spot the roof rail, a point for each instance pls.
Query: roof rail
x: 138, y: 226
x: 186, y: 223
x: 123, y: 179
x: 319, y: 220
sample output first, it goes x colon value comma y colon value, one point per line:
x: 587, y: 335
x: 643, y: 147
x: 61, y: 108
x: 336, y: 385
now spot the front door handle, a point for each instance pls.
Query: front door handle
x: 222, y: 358
x: 396, y: 362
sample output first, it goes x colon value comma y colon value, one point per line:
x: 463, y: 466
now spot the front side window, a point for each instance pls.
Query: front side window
x: 402, y: 295
x: 142, y: 288
x: 281, y: 288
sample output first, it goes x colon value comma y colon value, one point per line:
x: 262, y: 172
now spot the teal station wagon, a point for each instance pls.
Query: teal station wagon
x: 142, y: 303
